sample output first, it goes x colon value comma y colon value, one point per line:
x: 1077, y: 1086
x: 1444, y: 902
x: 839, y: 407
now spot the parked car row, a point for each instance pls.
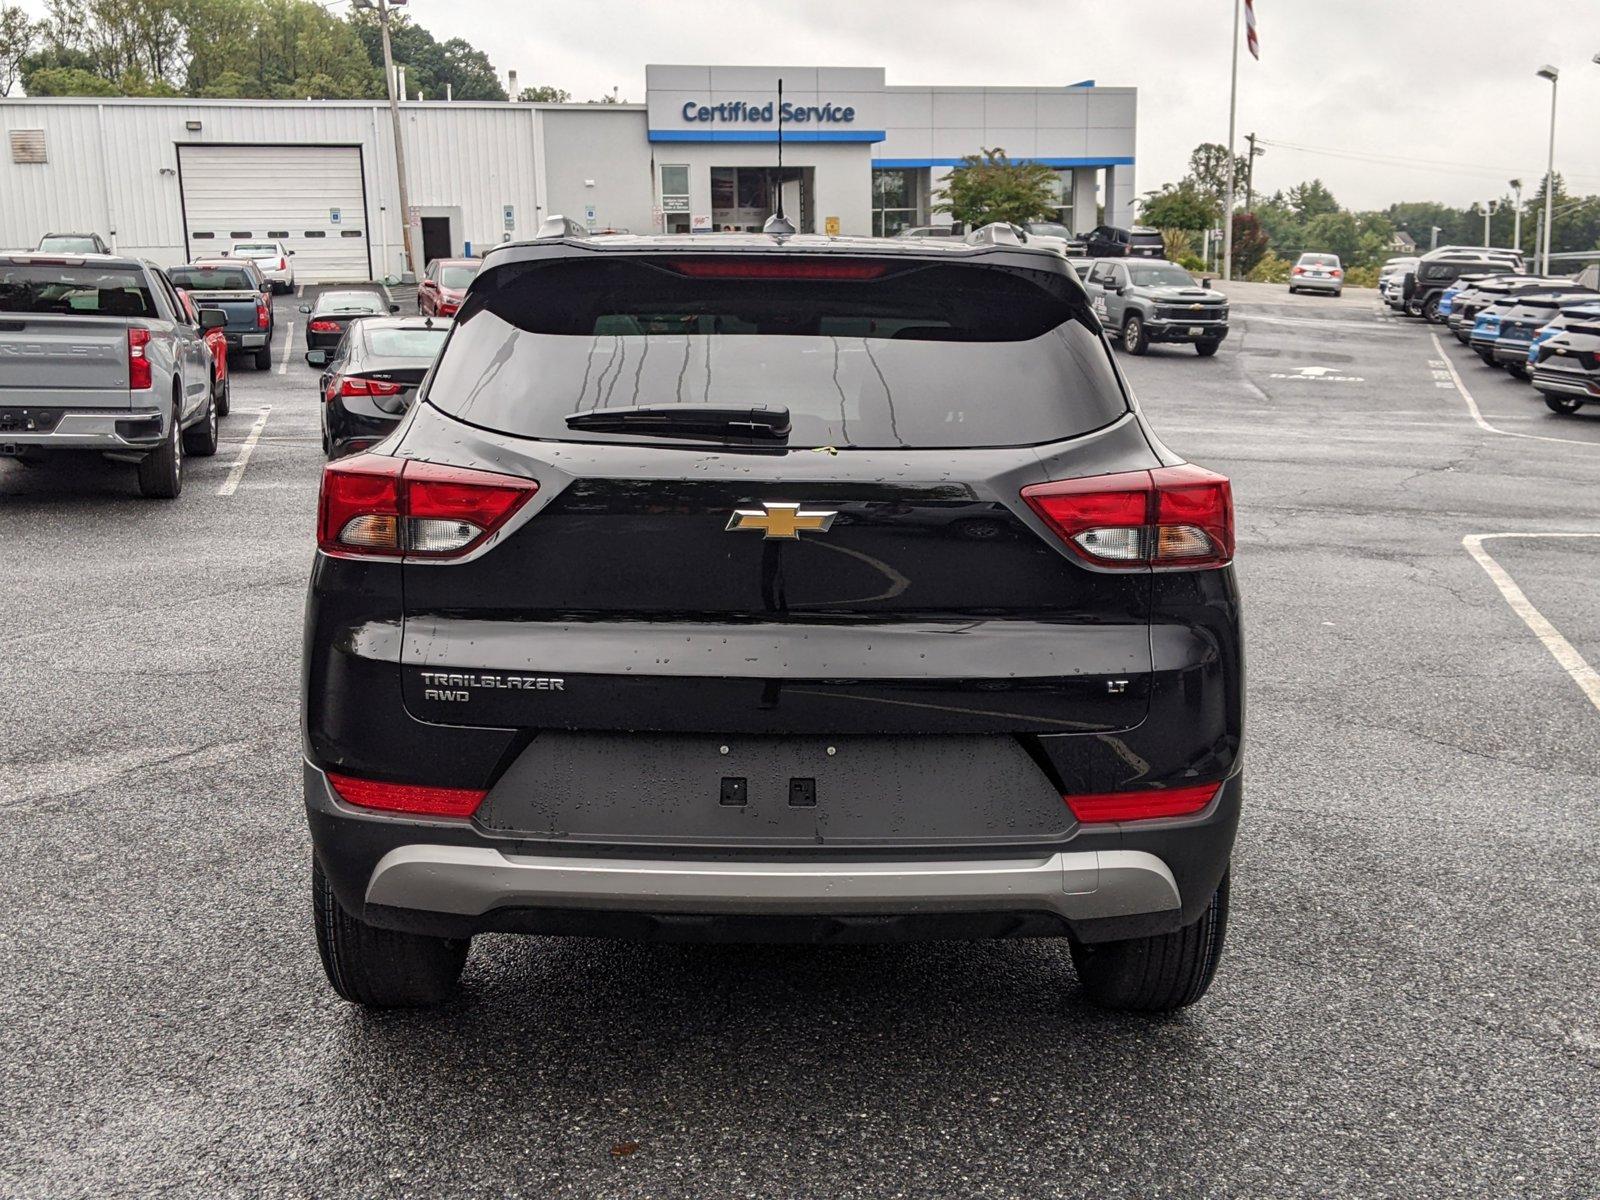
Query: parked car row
x: 1417, y: 290
x: 1542, y: 329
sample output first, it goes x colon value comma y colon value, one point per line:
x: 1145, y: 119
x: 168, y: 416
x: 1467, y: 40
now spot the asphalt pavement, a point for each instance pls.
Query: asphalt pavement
x: 1407, y: 1006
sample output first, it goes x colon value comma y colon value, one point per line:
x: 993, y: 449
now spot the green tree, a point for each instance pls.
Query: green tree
x: 1312, y: 199
x: 17, y: 35
x: 1334, y: 233
x: 990, y: 187
x: 1179, y: 206
x: 545, y: 94
x: 430, y: 65
x: 1208, y: 172
x: 67, y: 81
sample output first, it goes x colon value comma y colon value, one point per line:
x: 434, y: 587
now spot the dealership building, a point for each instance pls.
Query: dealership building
x: 178, y: 179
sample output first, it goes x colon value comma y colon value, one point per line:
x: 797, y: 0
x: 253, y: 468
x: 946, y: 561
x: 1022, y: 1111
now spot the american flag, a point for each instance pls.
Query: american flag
x: 1250, y: 29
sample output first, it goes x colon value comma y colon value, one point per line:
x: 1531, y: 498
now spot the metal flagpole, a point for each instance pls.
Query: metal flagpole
x: 1233, y: 107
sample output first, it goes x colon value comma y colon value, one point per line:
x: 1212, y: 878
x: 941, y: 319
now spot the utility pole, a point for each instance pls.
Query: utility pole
x: 1488, y: 211
x: 1250, y: 172
x: 1233, y: 108
x: 399, y: 143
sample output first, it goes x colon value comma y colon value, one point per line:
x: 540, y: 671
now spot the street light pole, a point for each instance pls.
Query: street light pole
x: 1233, y: 107
x: 1552, y: 74
x: 1516, y: 236
x: 399, y: 143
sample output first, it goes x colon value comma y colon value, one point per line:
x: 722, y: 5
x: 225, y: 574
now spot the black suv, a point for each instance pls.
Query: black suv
x: 711, y: 590
x: 1107, y: 241
x: 1424, y: 287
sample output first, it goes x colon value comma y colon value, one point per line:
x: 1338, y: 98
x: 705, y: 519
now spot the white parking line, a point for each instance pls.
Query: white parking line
x: 231, y: 484
x: 1472, y: 407
x: 288, y: 344
x: 1560, y: 649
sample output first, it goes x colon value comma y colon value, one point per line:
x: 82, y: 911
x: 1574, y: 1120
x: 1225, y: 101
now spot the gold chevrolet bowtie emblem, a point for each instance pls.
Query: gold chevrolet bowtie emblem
x: 780, y: 519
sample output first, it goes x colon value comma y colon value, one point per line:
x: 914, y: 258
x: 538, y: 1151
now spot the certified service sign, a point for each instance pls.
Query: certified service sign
x: 740, y: 104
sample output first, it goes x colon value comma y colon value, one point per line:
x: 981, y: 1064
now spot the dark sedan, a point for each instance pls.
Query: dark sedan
x: 333, y: 311
x: 369, y: 381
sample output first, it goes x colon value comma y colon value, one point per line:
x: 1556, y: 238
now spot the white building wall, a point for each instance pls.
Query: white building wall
x: 605, y: 146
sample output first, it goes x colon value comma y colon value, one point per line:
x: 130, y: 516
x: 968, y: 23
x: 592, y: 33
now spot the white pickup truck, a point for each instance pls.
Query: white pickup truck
x: 98, y: 354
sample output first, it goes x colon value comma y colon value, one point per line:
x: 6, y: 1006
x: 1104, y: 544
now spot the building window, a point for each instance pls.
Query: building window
x: 897, y: 194
x: 675, y: 199
x: 1061, y: 195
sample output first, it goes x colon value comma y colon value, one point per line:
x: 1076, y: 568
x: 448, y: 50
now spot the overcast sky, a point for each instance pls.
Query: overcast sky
x: 1435, y: 100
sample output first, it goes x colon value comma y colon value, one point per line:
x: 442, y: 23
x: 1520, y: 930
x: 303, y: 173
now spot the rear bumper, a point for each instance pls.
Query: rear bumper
x: 1563, y: 383
x: 1317, y: 285
x: 448, y: 877
x: 80, y: 429
x: 246, y: 341
x: 1510, y: 351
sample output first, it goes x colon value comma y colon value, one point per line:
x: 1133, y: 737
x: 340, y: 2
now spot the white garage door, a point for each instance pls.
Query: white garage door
x: 308, y: 197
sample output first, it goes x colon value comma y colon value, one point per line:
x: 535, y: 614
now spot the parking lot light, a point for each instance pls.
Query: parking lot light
x: 1552, y: 74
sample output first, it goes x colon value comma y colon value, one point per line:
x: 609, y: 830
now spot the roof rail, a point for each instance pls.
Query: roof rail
x: 557, y: 226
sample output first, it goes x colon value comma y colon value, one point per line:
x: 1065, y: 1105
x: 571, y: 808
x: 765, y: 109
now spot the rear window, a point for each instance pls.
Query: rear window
x: 1319, y: 260
x: 350, y: 302
x: 1146, y: 239
x: 212, y: 279
x: 69, y: 243
x: 923, y: 355
x: 74, y: 291
x: 256, y: 249
x: 406, y: 343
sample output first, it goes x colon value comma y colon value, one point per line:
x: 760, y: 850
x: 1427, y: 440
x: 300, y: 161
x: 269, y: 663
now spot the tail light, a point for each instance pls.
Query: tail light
x: 283, y: 264
x: 1337, y: 273
x: 407, y: 797
x: 1141, y: 805
x: 374, y: 506
x: 324, y: 327
x: 262, y: 313
x: 357, y: 386
x: 1299, y: 271
x: 1166, y: 518
x: 138, y: 360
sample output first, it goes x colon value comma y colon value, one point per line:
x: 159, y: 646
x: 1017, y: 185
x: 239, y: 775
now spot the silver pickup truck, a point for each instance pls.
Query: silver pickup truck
x: 97, y: 354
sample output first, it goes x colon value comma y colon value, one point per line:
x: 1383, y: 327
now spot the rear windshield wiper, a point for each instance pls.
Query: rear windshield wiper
x: 687, y: 420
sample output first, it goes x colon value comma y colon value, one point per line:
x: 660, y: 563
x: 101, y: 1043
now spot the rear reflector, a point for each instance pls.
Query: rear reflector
x: 1141, y: 806
x: 324, y: 327
x: 777, y: 268
x: 1170, y: 517
x: 390, y: 507
x: 407, y: 797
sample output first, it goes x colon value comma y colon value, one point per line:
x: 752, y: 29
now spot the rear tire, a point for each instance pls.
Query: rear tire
x: 263, y: 358
x: 1430, y: 310
x: 1564, y: 405
x: 224, y: 396
x: 161, y: 471
x: 200, y: 439
x: 1134, y: 339
x: 382, y: 968
x: 1520, y: 370
x: 1206, y: 348
x: 1156, y: 974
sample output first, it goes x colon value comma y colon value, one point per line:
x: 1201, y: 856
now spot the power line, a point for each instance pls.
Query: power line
x: 1444, y: 165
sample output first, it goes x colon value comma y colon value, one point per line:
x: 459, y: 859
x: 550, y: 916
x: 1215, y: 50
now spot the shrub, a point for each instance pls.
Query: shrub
x: 1192, y: 263
x: 1175, y: 245
x: 1361, y: 277
x: 1271, y: 269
